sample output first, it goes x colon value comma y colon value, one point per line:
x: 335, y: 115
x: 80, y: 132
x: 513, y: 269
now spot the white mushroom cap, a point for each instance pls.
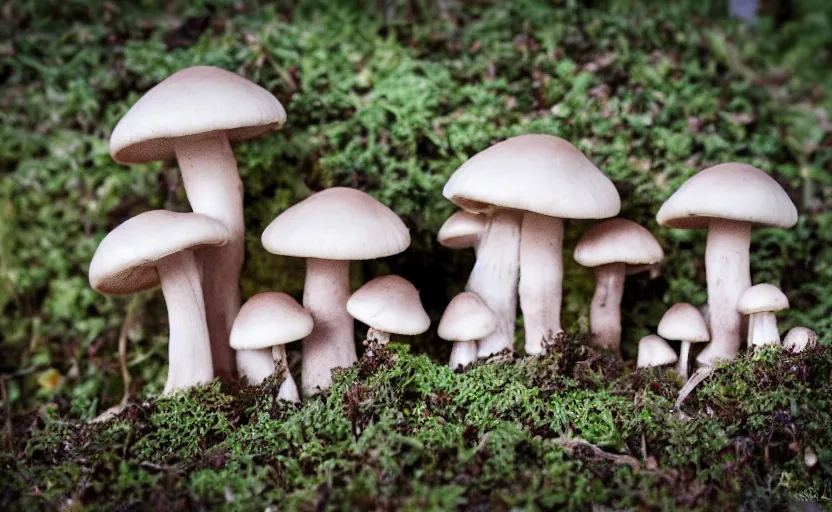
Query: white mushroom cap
x: 654, y: 351
x: 390, y: 304
x: 684, y: 322
x: 125, y: 261
x: 800, y: 338
x: 730, y: 191
x: 337, y: 224
x: 193, y: 102
x: 467, y: 318
x: 462, y: 230
x: 269, y: 319
x: 762, y: 298
x: 617, y: 241
x: 536, y: 173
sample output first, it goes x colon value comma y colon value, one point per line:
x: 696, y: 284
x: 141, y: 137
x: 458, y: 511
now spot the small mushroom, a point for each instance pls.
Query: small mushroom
x: 271, y: 320
x: 799, y: 339
x: 654, y: 351
x: 761, y: 302
x: 462, y: 230
x: 466, y: 320
x: 609, y: 247
x: 157, y: 248
x: 389, y: 305
x: 685, y: 323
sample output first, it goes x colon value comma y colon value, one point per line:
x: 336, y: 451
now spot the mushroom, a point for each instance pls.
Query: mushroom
x: 157, y: 247
x: 727, y: 200
x: 685, y: 323
x: 761, y: 302
x: 527, y: 185
x: 654, y: 351
x: 609, y: 247
x: 194, y: 115
x: 462, y: 230
x: 329, y: 229
x: 799, y: 339
x: 466, y: 320
x: 269, y: 321
x: 389, y: 305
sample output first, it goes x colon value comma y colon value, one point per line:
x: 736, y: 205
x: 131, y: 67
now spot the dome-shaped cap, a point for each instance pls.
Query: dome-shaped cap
x: 467, y: 318
x: 337, y: 224
x: 270, y: 319
x: 462, y: 230
x: 654, y: 351
x: 536, y: 173
x: 193, y: 102
x: 762, y: 298
x: 390, y: 304
x: 617, y: 241
x: 728, y: 191
x: 684, y: 322
x: 125, y: 261
x: 799, y: 339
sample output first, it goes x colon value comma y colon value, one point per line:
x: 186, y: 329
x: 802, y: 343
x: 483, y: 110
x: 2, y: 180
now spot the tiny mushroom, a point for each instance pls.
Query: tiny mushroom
x: 761, y: 302
x: 389, y: 305
x: 727, y: 200
x: 527, y: 185
x: 157, y: 248
x: 466, y: 320
x: 462, y: 230
x: 609, y: 247
x: 685, y: 323
x: 194, y: 115
x: 329, y: 229
x: 654, y: 351
x: 799, y: 339
x: 269, y: 321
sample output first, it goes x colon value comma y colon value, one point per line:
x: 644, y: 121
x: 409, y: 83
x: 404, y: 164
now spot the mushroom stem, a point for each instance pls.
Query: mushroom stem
x: 605, y: 310
x: 541, y: 277
x: 288, y: 389
x: 331, y: 344
x: 684, y: 355
x: 189, y: 348
x: 762, y: 330
x: 494, y: 278
x: 728, y: 273
x: 380, y: 337
x: 463, y: 354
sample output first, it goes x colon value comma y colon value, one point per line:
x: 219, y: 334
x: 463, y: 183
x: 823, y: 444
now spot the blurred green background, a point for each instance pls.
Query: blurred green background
x: 391, y: 98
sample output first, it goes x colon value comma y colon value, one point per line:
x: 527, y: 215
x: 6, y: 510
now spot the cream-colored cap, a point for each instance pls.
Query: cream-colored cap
x: 467, y: 318
x: 654, y: 351
x: 730, y: 191
x: 390, y: 304
x: 125, y: 261
x: 337, y: 224
x: 270, y: 319
x: 191, y: 103
x: 462, y: 230
x: 617, y: 241
x: 536, y: 173
x: 762, y: 298
x: 684, y: 322
x: 799, y: 339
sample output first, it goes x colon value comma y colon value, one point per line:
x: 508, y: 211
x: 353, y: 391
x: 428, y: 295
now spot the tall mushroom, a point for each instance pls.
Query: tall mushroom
x: 466, y: 320
x: 329, y: 229
x: 609, y: 247
x: 760, y: 302
x: 194, y: 115
x: 685, y: 323
x: 654, y: 351
x: 727, y: 200
x: 389, y: 305
x: 527, y: 185
x: 269, y: 321
x: 462, y: 230
x: 154, y: 248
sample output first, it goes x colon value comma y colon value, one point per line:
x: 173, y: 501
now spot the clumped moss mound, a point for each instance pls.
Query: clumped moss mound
x: 398, y: 431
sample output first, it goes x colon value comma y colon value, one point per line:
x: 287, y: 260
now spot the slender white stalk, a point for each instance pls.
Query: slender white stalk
x: 255, y: 369
x: 331, y: 343
x: 495, y: 275
x: 684, y: 355
x: 288, y: 389
x: 463, y: 354
x: 189, y: 348
x: 541, y: 278
x: 728, y: 272
x: 763, y: 330
x: 380, y: 337
x: 605, y: 310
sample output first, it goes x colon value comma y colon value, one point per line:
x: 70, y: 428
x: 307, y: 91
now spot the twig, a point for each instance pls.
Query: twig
x: 571, y: 443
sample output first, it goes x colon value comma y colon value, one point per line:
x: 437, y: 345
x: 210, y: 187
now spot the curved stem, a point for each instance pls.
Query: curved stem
x: 683, y: 360
x: 288, y: 389
x: 331, y: 343
x: 189, y: 349
x: 605, y: 310
x: 463, y: 354
x: 764, y: 331
x: 541, y: 278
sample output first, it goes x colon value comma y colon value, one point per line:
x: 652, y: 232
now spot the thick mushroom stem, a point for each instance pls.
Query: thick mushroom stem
x: 762, y: 329
x: 189, y: 348
x: 605, y: 310
x: 541, y: 278
x: 462, y: 354
x: 494, y: 278
x: 331, y: 344
x: 728, y: 272
x: 380, y: 337
x: 288, y: 389
x: 684, y: 355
